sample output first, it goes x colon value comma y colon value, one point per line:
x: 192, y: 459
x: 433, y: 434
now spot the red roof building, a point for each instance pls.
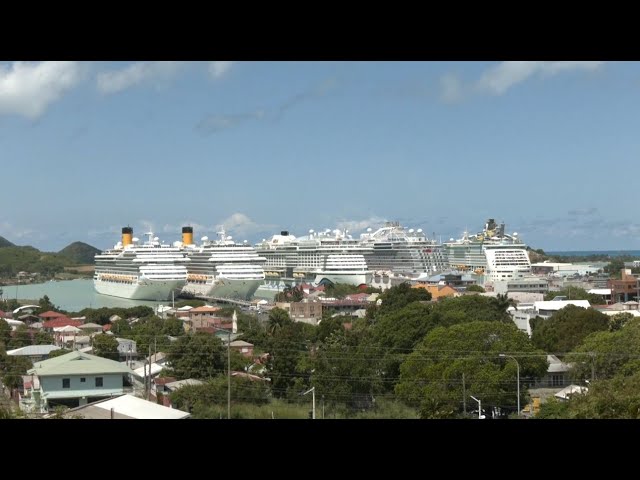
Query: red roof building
x: 51, y: 315
x: 61, y: 322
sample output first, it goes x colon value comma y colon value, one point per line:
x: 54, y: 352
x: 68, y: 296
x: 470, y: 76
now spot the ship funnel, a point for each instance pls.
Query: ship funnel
x: 284, y: 233
x: 187, y: 235
x: 127, y: 234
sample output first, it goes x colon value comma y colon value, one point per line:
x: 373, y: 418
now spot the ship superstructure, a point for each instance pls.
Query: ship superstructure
x: 141, y: 271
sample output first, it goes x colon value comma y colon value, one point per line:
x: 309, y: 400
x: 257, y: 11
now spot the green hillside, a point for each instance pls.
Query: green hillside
x: 28, y: 259
x: 79, y: 252
x: 5, y: 243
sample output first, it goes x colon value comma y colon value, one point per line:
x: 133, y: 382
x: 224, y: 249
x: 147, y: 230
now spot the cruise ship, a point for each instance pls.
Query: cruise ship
x: 331, y: 255
x: 221, y: 268
x: 140, y: 271
x: 405, y: 252
x: 493, y: 253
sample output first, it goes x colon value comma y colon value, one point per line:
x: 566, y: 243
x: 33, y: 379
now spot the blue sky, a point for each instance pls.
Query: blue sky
x: 550, y: 148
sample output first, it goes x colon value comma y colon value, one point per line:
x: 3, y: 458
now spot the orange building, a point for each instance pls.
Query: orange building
x: 438, y: 291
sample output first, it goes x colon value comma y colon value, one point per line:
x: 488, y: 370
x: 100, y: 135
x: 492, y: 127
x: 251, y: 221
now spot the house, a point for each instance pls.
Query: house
x: 245, y: 348
x: 50, y: 315
x: 35, y: 353
x: 557, y: 375
x: 74, y: 379
x: 126, y: 348
x: 438, y: 291
x: 566, y: 392
x: 308, y: 311
x: 57, y: 322
x: 204, y: 311
x: 89, y: 328
x: 127, y: 407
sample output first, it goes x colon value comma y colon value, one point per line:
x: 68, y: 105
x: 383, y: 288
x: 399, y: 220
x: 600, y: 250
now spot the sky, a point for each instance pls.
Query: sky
x: 549, y: 148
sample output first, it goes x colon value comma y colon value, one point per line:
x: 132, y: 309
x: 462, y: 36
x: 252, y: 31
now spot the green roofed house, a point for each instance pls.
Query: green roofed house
x: 73, y: 380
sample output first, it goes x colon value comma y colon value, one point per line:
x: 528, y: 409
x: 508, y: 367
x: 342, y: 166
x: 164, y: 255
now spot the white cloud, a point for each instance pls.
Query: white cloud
x: 135, y: 74
x: 241, y: 224
x: 11, y: 232
x: 27, y: 89
x: 219, y: 69
x: 355, y: 227
x: 450, y: 88
x: 499, y: 78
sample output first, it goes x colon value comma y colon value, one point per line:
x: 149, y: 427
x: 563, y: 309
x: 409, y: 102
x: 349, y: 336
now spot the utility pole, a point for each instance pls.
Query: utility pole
x: 593, y: 366
x: 229, y: 376
x: 464, y: 395
x: 149, y: 378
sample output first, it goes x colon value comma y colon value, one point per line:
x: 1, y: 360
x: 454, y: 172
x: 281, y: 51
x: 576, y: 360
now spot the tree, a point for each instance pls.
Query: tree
x: 606, y: 354
x: 21, y: 337
x: 43, y: 338
x: 575, y: 293
x: 121, y: 328
x: 400, y: 295
x: 278, y: 318
x: 5, y: 333
x: 59, y: 352
x: 469, y: 308
x: 567, y: 328
x: 200, y: 356
x: 502, y: 302
x: 287, y: 347
x: 431, y: 376
x: 615, y: 398
x: 14, y: 368
x: 173, y: 327
x: 475, y: 288
x: 45, y: 305
x: 106, y: 346
x: 619, y: 320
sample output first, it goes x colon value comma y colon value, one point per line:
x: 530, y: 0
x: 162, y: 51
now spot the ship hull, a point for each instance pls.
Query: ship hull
x: 225, y: 288
x: 155, y: 290
x: 348, y: 278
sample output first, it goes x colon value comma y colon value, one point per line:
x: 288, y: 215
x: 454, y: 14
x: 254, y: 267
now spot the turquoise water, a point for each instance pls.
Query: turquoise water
x: 71, y: 295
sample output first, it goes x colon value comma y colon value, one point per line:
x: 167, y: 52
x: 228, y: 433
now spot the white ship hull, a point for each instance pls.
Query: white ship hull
x: 158, y: 290
x: 225, y: 288
x: 348, y: 278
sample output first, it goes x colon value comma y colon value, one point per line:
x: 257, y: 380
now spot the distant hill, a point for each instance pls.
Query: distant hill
x: 79, y: 252
x: 5, y: 243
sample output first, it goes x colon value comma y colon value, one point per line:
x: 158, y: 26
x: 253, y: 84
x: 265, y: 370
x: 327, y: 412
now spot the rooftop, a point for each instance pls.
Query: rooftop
x: 77, y: 363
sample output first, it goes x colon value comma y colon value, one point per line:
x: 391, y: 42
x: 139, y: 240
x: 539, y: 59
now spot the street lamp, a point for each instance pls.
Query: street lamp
x: 313, y: 401
x: 518, y: 376
x: 480, y: 416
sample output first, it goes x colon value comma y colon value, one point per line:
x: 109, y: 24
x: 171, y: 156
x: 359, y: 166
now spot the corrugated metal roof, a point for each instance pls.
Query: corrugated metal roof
x: 138, y: 408
x: 240, y: 343
x: 78, y: 363
x: 33, y: 350
x: 183, y: 383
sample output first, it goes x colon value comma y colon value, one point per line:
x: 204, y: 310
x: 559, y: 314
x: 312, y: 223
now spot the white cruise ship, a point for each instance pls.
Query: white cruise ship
x: 492, y: 252
x: 140, y: 271
x: 405, y: 252
x: 221, y: 268
x: 333, y: 255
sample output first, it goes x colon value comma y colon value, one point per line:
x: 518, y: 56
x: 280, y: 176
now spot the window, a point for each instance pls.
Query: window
x: 66, y: 383
x: 557, y: 380
x: 82, y: 379
x: 98, y: 381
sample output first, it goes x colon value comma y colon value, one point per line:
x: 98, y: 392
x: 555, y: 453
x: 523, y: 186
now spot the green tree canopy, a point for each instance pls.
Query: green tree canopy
x: 401, y: 295
x: 278, y: 318
x: 469, y: 308
x: 575, y: 293
x: 5, y: 333
x: 567, y: 328
x: 57, y: 353
x: 21, y: 337
x: 106, y: 346
x: 431, y: 377
x: 199, y: 356
x: 475, y: 288
x: 607, y: 354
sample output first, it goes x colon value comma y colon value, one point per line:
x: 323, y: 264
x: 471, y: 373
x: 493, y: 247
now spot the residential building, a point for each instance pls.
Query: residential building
x: 127, y: 407
x: 557, y: 375
x: 624, y: 289
x: 74, y: 379
x: 245, y: 348
x: 438, y: 291
x: 34, y: 353
x: 308, y: 311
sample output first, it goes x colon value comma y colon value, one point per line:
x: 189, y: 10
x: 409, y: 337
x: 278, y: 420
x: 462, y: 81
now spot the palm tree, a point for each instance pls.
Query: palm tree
x: 503, y: 302
x: 277, y: 319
